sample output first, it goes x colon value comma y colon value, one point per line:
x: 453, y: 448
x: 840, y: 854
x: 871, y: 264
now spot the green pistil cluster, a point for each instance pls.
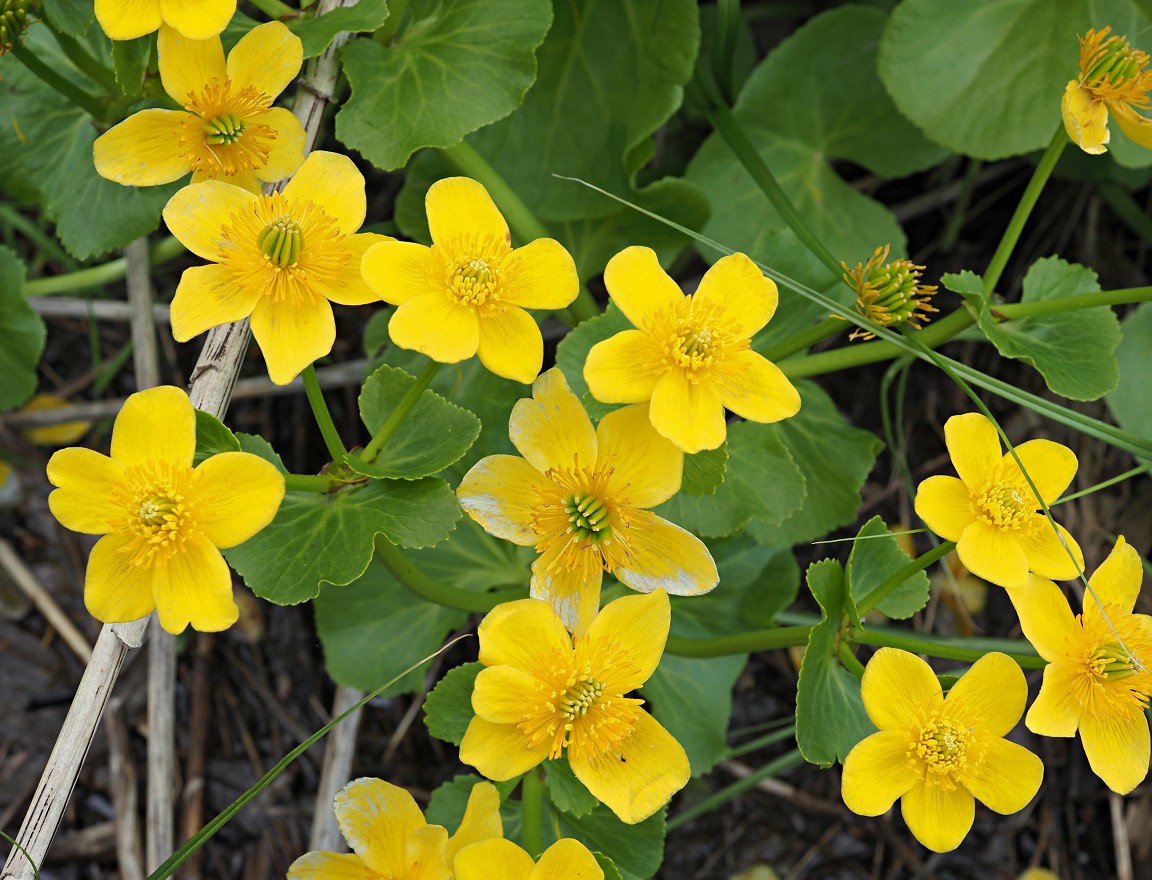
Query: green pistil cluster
x: 1114, y: 662
x: 13, y: 22
x: 225, y: 129
x: 281, y: 242
x: 1118, y: 63
x: 588, y: 517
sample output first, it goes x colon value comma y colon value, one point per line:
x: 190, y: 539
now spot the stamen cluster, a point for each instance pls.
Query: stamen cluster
x: 889, y: 294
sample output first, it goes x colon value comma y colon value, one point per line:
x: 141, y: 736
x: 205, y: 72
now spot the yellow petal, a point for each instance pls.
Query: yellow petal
x: 876, y: 773
x: 551, y: 429
x: 287, y: 152
x: 945, y: 505
x: 237, y: 494
x: 1117, y: 749
x: 60, y: 434
x: 502, y: 694
x: 1045, y: 617
x: 640, y: 625
x: 1048, y: 554
x: 194, y: 588
x: 573, y: 593
x: 1050, y: 465
x: 293, y: 334
x: 334, y: 184
x: 939, y: 819
x: 500, y: 751
x: 650, y: 466
x: 330, y: 866
x: 519, y: 633
x: 198, y: 213
x: 268, y: 57
x: 86, y: 480
x: 690, y: 414
x: 544, y: 276
x: 376, y: 818
x: 155, y: 425
x: 438, y: 326
x: 349, y: 288
x: 115, y: 590
x: 993, y: 554
x: 1055, y: 711
x: 742, y: 298
x: 399, y: 271
x: 991, y: 696
x: 246, y: 179
x: 568, y: 859
x: 624, y: 368
x: 206, y: 297
x: 1138, y: 128
x: 460, y: 207
x: 427, y: 854
x: 1085, y: 119
x: 639, y: 775
x: 481, y: 819
x: 499, y: 492
x: 128, y: 19
x: 511, y: 345
x: 755, y: 388
x: 667, y: 557
x: 143, y: 150
x: 639, y: 285
x: 974, y: 447
x: 188, y: 66
x: 200, y: 20
x: 896, y: 686
x: 493, y: 860
x: 1117, y: 580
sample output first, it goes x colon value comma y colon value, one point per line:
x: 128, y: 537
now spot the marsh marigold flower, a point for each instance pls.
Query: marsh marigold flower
x: 992, y: 513
x: 390, y: 838
x: 579, y: 496
x: 1114, y: 77
x: 566, y: 859
x: 195, y: 19
x: 281, y: 259
x: 888, y: 294
x: 690, y: 355
x: 545, y: 693
x: 13, y: 23
x: 228, y: 129
x: 1097, y: 679
x: 467, y: 294
x: 163, y: 521
x: 939, y: 753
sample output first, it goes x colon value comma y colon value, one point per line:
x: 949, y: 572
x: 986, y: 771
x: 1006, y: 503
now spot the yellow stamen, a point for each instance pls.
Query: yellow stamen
x: 942, y: 749
x: 889, y: 294
x: 1005, y: 502
x: 220, y: 138
x: 580, y: 521
x: 159, y: 515
x: 1113, y: 71
x: 476, y: 271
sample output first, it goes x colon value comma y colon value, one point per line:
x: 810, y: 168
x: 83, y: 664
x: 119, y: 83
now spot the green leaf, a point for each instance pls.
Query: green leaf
x: 754, y: 450
x: 458, y: 66
x: 212, y: 437
x: 130, y: 61
x: 830, y: 716
x: 317, y: 31
x: 876, y: 556
x: 375, y: 627
x: 257, y: 445
x: 448, y: 707
x: 966, y: 283
x: 704, y: 471
x: 1129, y: 401
x: 637, y: 850
x: 566, y: 791
x: 1004, y: 99
x: 449, y: 801
x: 21, y: 334
x: 573, y: 350
x: 611, y: 872
x: 1075, y: 351
x: 328, y: 537
x: 73, y: 17
x: 834, y: 458
x: 433, y: 435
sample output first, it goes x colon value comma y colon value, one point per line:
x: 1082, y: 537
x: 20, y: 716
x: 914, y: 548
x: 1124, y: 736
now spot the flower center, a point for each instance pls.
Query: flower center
x: 219, y: 135
x: 1113, y: 70
x: 588, y: 517
x: 889, y: 294
x: 1112, y: 678
x: 281, y: 241
x: 475, y: 271
x: 696, y: 338
x: 941, y: 748
x: 224, y: 129
x: 580, y: 520
x: 579, y: 698
x: 1004, y: 503
x: 158, y: 513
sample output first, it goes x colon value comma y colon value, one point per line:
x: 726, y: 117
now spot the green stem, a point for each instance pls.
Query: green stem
x: 737, y: 788
x: 768, y: 739
x: 1074, y: 303
x: 86, y: 102
x: 1112, y: 481
x: 397, y: 416
x: 918, y: 564
x: 531, y: 807
x: 743, y: 643
x: 95, y: 276
x: 401, y: 567
x: 84, y: 62
x: 332, y: 440
x: 308, y: 482
x: 276, y: 10
x: 816, y: 333
x: 884, y: 638
x: 1023, y: 210
x: 849, y: 660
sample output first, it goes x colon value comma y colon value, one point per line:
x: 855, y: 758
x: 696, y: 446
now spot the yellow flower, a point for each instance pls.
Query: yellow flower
x: 991, y: 511
x: 467, y: 293
x: 279, y: 259
x: 937, y: 753
x: 195, y: 19
x: 579, y: 497
x: 1097, y: 679
x: 566, y: 859
x: 228, y: 129
x: 53, y: 435
x: 1114, y: 76
x: 690, y: 356
x: 545, y: 693
x: 162, y: 520
x: 391, y: 839
x: 888, y: 294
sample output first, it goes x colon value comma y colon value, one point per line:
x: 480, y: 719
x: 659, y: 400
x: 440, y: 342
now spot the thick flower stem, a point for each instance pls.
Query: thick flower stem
x: 82, y: 99
x: 324, y: 421
x: 1074, y: 303
x: 308, y: 483
x: 397, y: 416
x: 114, y: 270
x: 531, y: 807
x: 849, y: 660
x: 743, y: 643
x: 397, y: 562
x: 884, y: 638
x: 918, y: 564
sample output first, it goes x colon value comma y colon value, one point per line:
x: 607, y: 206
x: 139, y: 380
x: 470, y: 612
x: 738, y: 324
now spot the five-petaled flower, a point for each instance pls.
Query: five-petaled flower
x: 1097, y: 679
x: 467, y: 294
x: 390, y: 837
x: 690, y: 355
x: 545, y: 693
x: 937, y: 752
x: 197, y: 20
x: 992, y: 513
x: 280, y: 259
x: 162, y: 520
x: 228, y: 129
x: 1114, y: 77
x: 579, y: 497
x: 500, y: 859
